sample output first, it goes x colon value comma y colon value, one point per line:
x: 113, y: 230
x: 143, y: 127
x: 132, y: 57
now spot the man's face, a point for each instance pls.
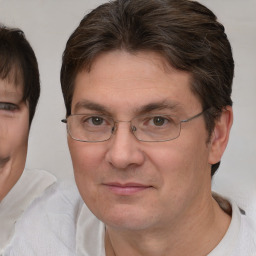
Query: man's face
x: 131, y: 184
x: 14, y: 128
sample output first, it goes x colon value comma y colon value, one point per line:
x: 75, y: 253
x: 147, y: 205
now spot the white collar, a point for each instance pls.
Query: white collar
x: 90, y: 234
x: 231, y: 238
x: 31, y: 185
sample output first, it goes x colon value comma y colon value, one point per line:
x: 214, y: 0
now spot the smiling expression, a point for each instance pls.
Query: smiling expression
x: 14, y: 128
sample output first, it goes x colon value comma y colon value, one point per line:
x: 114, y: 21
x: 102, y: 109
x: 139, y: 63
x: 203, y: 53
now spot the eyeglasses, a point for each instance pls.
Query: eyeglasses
x: 147, y: 128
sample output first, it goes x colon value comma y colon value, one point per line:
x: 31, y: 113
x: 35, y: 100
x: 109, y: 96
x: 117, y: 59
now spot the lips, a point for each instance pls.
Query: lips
x: 126, y: 188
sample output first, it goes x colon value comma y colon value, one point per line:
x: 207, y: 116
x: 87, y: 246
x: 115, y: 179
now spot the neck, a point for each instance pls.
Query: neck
x: 191, y: 235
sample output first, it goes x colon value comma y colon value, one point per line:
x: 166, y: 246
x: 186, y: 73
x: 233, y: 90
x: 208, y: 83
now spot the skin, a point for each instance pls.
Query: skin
x: 154, y: 197
x: 14, y: 129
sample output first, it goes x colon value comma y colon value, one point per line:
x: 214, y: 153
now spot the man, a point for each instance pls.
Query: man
x: 147, y: 87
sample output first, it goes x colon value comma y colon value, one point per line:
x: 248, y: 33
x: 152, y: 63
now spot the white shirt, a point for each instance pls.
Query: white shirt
x: 31, y: 185
x: 67, y: 228
x: 48, y: 227
x: 239, y: 240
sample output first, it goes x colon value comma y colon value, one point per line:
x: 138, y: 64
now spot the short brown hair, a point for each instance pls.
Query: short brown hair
x: 185, y: 33
x: 18, y: 64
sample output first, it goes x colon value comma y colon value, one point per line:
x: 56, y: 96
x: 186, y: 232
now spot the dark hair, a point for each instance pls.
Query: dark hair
x: 185, y: 33
x: 18, y: 64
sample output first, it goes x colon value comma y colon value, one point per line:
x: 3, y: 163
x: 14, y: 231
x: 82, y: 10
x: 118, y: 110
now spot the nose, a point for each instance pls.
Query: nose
x: 124, y: 149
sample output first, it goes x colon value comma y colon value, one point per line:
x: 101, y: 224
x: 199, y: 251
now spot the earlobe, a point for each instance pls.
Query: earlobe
x: 220, y: 135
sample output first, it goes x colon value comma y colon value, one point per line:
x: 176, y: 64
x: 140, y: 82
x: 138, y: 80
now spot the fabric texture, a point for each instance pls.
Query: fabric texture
x: 60, y: 224
x: 48, y: 228
x: 239, y: 240
x: 30, y: 186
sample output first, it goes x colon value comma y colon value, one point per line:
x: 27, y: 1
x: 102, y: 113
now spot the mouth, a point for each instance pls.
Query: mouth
x: 126, y: 188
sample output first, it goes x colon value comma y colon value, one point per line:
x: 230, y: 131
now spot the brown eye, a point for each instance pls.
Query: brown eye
x: 96, y: 120
x: 159, y: 121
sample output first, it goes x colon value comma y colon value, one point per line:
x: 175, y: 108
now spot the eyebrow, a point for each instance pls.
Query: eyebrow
x: 165, y: 104
x: 86, y: 104
x: 174, y: 106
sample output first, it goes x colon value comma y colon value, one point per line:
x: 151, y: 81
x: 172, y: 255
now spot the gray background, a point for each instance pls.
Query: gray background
x: 48, y: 24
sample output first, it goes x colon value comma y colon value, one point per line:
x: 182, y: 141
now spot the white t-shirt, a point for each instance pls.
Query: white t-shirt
x: 60, y: 224
x: 239, y: 240
x: 31, y: 185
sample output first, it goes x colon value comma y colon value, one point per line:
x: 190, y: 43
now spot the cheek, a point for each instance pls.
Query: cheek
x: 20, y: 134
x: 174, y: 166
x: 181, y: 164
x: 6, y: 139
x: 171, y: 158
x: 14, y: 138
x: 183, y: 172
x: 85, y: 157
x: 88, y: 161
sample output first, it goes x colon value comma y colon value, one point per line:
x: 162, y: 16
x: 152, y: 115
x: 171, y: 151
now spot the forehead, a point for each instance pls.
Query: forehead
x: 12, y: 71
x: 117, y: 78
x: 9, y: 90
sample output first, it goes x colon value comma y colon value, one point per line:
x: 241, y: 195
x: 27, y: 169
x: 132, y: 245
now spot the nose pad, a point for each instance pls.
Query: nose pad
x: 133, y: 128
x: 113, y: 129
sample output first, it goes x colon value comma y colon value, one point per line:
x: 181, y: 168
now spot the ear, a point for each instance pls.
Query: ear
x: 220, y: 136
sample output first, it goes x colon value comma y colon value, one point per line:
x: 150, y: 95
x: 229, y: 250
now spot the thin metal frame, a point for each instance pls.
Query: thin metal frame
x: 132, y: 130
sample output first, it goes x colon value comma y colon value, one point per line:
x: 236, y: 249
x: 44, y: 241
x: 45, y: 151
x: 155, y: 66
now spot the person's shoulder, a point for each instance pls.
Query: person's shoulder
x: 31, y: 185
x: 240, y: 236
x: 48, y: 227
x: 247, y: 237
x: 60, y: 194
x: 59, y: 201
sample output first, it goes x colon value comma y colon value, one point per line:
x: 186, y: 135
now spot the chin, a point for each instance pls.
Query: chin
x: 127, y: 218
